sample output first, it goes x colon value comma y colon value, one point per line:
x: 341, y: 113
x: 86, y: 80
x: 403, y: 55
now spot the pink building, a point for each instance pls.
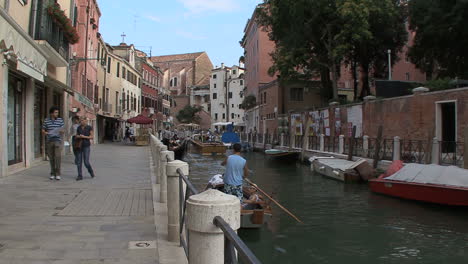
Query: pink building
x: 85, y: 54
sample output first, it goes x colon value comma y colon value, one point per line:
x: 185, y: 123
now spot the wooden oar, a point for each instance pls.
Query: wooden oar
x: 273, y: 200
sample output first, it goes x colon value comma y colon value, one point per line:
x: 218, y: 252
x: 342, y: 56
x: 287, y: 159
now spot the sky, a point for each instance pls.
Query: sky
x: 179, y: 26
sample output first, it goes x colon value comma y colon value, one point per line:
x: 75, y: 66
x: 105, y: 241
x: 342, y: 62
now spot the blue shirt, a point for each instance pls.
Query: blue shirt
x: 51, y: 126
x: 84, y: 131
x: 234, y: 170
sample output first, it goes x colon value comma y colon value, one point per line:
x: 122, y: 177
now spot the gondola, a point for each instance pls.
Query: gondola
x: 281, y: 154
x: 254, y: 216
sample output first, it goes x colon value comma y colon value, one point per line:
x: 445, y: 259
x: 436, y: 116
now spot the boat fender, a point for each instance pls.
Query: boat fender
x: 322, y: 168
x: 337, y: 173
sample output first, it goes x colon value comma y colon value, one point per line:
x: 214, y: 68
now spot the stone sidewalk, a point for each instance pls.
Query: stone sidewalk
x: 86, y: 222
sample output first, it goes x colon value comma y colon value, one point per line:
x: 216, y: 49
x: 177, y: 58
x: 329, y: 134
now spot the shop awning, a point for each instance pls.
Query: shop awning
x: 139, y: 119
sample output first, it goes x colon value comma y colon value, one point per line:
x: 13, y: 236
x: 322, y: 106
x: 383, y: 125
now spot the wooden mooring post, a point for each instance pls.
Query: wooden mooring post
x: 377, y: 147
x: 351, y: 144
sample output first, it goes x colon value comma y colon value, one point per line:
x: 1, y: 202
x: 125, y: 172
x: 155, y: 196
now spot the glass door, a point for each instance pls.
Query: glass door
x: 39, y: 115
x: 15, y: 120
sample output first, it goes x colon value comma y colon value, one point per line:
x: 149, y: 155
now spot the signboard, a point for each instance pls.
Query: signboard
x: 337, y: 121
x: 84, y: 100
x: 355, y: 119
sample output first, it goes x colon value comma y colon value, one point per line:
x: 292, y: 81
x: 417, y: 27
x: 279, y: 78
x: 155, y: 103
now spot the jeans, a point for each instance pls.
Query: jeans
x: 74, y: 150
x: 54, y: 152
x: 83, y: 155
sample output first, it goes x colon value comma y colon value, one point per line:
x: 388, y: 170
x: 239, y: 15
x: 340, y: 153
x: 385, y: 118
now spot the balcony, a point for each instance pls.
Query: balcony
x: 51, y: 38
x: 107, y: 108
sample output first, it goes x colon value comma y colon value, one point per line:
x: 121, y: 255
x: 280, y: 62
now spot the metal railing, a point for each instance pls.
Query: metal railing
x: 414, y: 151
x: 451, y: 153
x: 314, y: 143
x: 232, y: 242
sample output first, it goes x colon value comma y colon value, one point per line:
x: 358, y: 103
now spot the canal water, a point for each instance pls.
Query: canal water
x: 343, y: 223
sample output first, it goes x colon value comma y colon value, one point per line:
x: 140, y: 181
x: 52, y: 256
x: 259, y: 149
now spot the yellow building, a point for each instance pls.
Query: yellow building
x: 33, y: 77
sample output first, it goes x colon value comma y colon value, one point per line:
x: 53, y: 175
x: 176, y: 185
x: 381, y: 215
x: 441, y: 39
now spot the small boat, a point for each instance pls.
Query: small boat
x: 209, y: 148
x: 426, y: 183
x: 254, y: 216
x: 281, y: 154
x: 340, y: 169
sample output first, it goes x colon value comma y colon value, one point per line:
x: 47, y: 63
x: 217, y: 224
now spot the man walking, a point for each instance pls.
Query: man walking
x: 53, y: 128
x: 236, y: 171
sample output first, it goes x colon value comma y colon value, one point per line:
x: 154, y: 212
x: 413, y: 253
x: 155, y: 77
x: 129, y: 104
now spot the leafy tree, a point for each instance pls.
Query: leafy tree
x: 188, y: 114
x: 441, y: 41
x: 313, y: 38
x: 250, y: 101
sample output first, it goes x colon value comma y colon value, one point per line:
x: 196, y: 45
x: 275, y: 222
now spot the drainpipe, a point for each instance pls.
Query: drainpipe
x: 86, y: 49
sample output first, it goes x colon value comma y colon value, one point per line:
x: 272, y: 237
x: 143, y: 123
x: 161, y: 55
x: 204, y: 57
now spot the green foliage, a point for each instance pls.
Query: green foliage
x: 314, y: 36
x: 439, y: 84
x: 440, y: 45
x: 189, y: 115
x: 250, y: 101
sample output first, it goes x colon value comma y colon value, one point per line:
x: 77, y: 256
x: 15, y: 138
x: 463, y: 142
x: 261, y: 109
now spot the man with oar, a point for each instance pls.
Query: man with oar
x: 236, y: 171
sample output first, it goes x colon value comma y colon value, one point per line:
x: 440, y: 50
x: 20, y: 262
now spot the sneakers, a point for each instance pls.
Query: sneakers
x: 52, y: 177
x: 58, y: 178
x: 79, y: 178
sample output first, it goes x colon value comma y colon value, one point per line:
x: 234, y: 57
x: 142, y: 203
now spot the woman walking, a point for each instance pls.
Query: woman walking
x: 84, y: 133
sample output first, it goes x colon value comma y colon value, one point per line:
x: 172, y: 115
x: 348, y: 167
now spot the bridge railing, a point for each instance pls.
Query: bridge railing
x: 203, y: 224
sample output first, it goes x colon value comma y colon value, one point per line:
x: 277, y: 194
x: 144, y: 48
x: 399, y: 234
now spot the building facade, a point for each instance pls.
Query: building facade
x: 84, y: 69
x: 34, y: 76
x: 227, y: 93
x: 182, y: 73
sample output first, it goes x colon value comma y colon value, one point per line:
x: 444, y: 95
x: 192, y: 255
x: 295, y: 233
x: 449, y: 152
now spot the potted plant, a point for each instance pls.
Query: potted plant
x: 64, y: 23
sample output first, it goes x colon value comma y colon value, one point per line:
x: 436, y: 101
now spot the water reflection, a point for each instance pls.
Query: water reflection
x: 344, y: 223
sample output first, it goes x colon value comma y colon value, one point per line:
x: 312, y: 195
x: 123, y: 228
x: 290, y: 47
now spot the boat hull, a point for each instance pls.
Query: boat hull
x: 334, y: 173
x: 431, y: 193
x: 209, y: 148
x: 248, y: 220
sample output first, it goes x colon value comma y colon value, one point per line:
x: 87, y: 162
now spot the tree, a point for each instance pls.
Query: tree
x: 313, y: 37
x: 440, y: 44
x: 249, y: 102
x: 188, y: 114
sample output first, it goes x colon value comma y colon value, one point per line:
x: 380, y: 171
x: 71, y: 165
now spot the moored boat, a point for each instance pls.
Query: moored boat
x: 426, y: 183
x: 281, y: 154
x: 340, y: 169
x: 209, y: 148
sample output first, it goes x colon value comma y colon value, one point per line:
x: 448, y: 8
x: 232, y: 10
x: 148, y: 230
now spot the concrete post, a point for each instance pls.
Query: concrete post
x: 161, y: 148
x: 322, y: 142
x: 396, y: 148
x: 282, y: 140
x: 365, y: 145
x: 206, y: 241
x: 435, y: 151
x: 341, y: 144
x: 165, y: 155
x: 173, y: 215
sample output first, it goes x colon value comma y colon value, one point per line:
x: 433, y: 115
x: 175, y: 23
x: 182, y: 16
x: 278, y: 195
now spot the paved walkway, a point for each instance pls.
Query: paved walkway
x: 87, y: 222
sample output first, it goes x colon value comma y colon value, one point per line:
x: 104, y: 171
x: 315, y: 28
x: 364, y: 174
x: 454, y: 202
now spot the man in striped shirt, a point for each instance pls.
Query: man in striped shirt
x: 53, y: 128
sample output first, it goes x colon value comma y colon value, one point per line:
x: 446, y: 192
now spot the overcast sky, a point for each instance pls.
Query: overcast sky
x: 179, y: 26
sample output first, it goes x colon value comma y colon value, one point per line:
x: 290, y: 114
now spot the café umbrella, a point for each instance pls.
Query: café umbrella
x: 140, y: 120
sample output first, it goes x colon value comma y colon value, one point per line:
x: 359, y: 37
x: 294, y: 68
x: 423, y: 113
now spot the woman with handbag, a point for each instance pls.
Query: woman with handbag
x: 84, y: 135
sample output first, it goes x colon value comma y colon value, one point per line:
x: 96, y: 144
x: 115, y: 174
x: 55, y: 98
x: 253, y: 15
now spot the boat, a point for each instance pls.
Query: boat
x: 341, y: 169
x: 426, y: 183
x: 209, y: 148
x: 281, y: 154
x: 254, y: 217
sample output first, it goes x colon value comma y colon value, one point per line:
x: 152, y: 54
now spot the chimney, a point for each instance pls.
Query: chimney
x: 222, y: 65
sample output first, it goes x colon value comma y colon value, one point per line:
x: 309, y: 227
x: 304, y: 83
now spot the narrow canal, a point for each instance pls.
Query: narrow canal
x: 343, y: 223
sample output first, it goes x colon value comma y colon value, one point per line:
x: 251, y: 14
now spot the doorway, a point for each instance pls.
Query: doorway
x: 446, y: 122
x: 15, y: 118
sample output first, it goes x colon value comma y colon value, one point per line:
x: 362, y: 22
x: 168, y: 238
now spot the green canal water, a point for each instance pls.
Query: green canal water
x: 343, y: 223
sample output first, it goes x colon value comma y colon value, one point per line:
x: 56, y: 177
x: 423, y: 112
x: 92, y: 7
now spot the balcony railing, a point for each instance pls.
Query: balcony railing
x: 49, y: 31
x: 107, y: 108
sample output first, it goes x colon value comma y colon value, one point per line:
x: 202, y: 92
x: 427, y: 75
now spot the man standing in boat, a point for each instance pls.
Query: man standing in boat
x: 236, y: 171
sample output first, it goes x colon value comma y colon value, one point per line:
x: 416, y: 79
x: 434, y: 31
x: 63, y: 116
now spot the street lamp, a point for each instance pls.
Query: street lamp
x: 389, y: 64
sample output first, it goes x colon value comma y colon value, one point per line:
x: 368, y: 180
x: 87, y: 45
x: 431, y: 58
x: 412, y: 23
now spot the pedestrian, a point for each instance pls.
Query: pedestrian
x: 75, y: 125
x: 127, y: 134
x: 236, y: 171
x: 85, y: 134
x: 53, y: 128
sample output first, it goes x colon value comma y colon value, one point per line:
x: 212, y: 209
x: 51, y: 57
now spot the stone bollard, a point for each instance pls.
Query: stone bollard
x: 173, y: 214
x: 435, y: 151
x: 396, y: 148
x: 341, y: 144
x: 322, y: 142
x: 165, y: 155
x: 160, y: 169
x: 206, y: 241
x: 365, y: 145
x: 282, y: 140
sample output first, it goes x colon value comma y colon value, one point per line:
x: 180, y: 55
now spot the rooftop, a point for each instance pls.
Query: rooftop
x: 177, y: 57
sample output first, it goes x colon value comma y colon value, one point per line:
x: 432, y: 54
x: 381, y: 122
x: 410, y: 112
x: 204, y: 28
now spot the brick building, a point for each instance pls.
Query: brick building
x: 181, y: 73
